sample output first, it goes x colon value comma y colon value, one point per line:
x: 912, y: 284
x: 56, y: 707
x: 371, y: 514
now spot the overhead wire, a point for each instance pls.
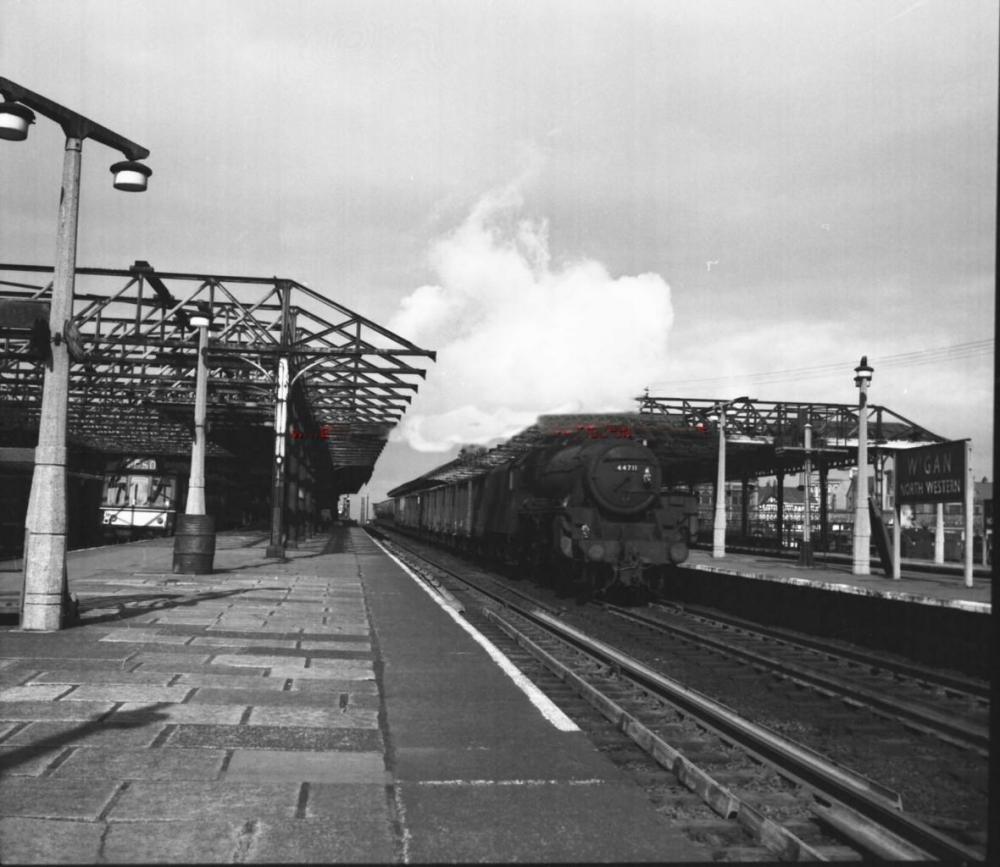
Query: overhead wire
x: 941, y: 354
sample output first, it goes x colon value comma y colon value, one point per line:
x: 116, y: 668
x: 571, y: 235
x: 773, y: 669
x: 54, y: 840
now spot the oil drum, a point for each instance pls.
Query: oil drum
x: 194, y: 544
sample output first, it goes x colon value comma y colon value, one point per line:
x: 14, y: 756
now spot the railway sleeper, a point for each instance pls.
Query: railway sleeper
x: 715, y: 831
x: 742, y: 776
x: 747, y: 854
x: 770, y: 834
x: 872, y: 837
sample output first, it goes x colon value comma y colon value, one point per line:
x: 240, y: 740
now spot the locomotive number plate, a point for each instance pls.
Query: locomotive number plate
x: 627, y: 468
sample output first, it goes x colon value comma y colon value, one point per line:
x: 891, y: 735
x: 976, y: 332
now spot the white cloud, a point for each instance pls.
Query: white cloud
x: 517, y: 337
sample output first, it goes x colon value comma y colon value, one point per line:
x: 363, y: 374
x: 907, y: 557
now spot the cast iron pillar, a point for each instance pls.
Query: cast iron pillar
x: 824, y: 517
x: 276, y: 548
x: 779, y: 525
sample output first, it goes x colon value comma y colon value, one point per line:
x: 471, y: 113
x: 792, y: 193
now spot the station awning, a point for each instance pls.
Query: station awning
x: 763, y: 438
x: 134, y: 348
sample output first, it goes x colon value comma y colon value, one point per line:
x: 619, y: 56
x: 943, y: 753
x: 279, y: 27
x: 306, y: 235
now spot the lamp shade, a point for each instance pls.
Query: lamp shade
x: 131, y: 176
x: 199, y: 314
x: 14, y: 121
x: 863, y: 373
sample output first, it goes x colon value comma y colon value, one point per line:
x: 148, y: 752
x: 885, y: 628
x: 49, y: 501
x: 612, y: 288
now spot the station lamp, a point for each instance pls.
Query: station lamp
x: 863, y: 373
x: 200, y: 316
x: 14, y: 121
x: 130, y: 175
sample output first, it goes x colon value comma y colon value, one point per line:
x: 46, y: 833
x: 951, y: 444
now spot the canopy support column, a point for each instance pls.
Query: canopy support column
x: 276, y: 548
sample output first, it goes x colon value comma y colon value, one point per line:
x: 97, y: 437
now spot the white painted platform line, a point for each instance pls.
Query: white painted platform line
x: 538, y: 698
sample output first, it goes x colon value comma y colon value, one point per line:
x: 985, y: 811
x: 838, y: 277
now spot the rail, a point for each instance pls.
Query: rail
x: 956, y: 730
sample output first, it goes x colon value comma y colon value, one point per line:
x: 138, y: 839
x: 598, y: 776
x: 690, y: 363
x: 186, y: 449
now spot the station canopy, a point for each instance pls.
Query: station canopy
x: 763, y: 438
x: 134, y: 348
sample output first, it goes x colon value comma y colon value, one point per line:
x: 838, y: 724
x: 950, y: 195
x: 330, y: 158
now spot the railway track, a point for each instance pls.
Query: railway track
x: 786, y: 798
x: 949, y: 707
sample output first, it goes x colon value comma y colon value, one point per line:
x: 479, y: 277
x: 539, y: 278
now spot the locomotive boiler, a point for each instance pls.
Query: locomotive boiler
x: 586, y: 512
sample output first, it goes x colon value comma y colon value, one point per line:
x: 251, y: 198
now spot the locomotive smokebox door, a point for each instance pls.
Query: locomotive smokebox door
x: 624, y: 477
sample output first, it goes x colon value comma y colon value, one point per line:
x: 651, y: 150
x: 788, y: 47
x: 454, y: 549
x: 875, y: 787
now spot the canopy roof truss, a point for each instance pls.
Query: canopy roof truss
x: 763, y: 438
x: 135, y: 351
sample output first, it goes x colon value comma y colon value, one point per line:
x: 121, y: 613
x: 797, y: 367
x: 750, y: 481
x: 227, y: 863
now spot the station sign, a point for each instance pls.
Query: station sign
x: 932, y: 474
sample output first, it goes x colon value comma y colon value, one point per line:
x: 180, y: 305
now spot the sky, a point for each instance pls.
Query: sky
x: 571, y: 201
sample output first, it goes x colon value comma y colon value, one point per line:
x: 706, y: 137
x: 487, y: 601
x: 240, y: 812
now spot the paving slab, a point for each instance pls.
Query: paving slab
x: 131, y: 733
x: 188, y: 841
x: 278, y: 697
x: 350, y: 668
x: 175, y: 800
x: 50, y: 841
x: 234, y: 641
x: 366, y: 686
x: 346, y: 643
x: 205, y: 714
x: 34, y: 692
x: 81, y: 711
x: 364, y: 840
x: 52, y: 799
x: 113, y: 763
x: 27, y: 761
x: 93, y: 675
x: 332, y: 766
x: 244, y: 679
x: 275, y: 737
x: 318, y: 717
x: 126, y: 692
x: 154, y: 664
x: 144, y: 637
x: 339, y: 670
x: 258, y: 660
x: 148, y: 657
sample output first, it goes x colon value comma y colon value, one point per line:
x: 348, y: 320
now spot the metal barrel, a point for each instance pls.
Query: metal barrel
x: 194, y: 544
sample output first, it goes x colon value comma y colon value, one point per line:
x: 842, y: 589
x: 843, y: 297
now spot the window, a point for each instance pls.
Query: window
x: 139, y: 490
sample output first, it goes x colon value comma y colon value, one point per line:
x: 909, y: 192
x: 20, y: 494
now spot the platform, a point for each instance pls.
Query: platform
x: 322, y: 708
x: 930, y: 618
x: 944, y: 587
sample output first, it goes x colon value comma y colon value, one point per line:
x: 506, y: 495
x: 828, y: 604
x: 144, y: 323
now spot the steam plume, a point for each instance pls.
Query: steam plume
x: 517, y: 337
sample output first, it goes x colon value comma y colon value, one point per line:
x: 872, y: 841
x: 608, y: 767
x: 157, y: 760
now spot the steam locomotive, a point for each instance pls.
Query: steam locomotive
x: 586, y: 514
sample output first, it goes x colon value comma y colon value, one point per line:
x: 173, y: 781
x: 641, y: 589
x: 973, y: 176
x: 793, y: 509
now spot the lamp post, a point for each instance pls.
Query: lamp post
x: 194, y: 538
x: 806, y: 551
x: 719, y: 524
x: 201, y: 319
x: 46, y: 590
x: 862, y: 527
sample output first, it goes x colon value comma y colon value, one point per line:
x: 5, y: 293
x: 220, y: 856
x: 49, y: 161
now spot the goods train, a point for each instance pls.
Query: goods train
x: 588, y: 515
